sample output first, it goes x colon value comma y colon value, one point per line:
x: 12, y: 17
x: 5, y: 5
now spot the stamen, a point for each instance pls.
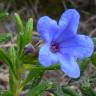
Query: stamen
x: 54, y: 47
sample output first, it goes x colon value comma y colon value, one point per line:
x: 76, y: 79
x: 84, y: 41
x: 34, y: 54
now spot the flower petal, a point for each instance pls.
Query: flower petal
x: 70, y: 20
x: 79, y: 46
x: 68, y: 24
x: 69, y: 66
x: 46, y: 58
x: 46, y: 28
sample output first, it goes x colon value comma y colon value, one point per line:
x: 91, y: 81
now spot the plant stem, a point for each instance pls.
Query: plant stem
x: 18, y: 89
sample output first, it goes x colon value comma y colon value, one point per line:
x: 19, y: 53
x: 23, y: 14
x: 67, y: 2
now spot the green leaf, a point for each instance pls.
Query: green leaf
x: 6, y: 93
x: 36, y: 72
x: 12, y: 78
x: 3, y: 15
x: 5, y: 37
x: 70, y: 91
x: 87, y: 90
x: 13, y: 58
x: 83, y: 64
x: 93, y: 58
x: 12, y: 55
x: 39, y: 67
x: 28, y: 31
x: 29, y: 59
x: 57, y: 90
x: 39, y: 89
x: 4, y: 57
x: 25, y: 35
x: 20, y: 28
x: 19, y: 42
x: 19, y: 23
x: 63, y: 91
x: 1, y: 93
x: 94, y: 41
x: 12, y: 82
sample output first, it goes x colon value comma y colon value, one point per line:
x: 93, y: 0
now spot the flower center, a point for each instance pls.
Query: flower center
x: 54, y: 47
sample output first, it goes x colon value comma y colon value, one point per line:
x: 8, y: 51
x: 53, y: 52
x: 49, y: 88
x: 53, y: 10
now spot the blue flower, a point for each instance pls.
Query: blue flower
x: 62, y: 44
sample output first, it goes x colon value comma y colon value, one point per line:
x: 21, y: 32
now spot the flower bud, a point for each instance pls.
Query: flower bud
x: 29, y: 49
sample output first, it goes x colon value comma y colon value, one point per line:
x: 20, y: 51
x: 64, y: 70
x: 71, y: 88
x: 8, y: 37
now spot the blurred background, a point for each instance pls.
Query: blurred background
x: 53, y: 8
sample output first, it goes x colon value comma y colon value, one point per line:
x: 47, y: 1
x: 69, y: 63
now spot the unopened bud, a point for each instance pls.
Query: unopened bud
x: 29, y: 49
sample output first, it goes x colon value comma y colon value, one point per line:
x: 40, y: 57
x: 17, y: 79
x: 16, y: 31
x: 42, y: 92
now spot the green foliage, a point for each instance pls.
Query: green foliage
x: 4, y: 57
x: 83, y: 64
x: 40, y: 88
x: 19, y: 23
x: 64, y: 91
x: 7, y: 93
x: 70, y: 91
x: 3, y: 15
x: 87, y: 90
x: 24, y: 34
x: 93, y: 58
x: 15, y: 57
x: 1, y: 93
x: 36, y: 73
x: 94, y: 41
x: 28, y: 31
x: 57, y: 90
x: 4, y: 37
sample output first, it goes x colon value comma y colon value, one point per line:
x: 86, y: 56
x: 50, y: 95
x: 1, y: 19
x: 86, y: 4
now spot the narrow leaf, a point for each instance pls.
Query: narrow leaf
x: 28, y: 31
x: 39, y: 89
x: 19, y: 23
x: 5, y: 37
x: 4, y: 57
